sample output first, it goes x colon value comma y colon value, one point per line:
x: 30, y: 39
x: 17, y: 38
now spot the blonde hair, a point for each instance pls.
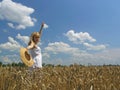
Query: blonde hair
x: 34, y: 34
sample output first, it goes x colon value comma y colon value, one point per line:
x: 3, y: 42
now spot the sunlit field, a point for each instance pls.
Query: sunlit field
x: 74, y: 77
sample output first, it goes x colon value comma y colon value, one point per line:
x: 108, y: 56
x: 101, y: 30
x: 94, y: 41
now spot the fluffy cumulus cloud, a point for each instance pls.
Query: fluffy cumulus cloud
x: 94, y: 47
x: 17, y: 14
x: 85, y: 39
x: 15, y: 43
x: 11, y: 45
x: 16, y: 27
x: 80, y: 37
x: 23, y: 39
x: 60, y: 47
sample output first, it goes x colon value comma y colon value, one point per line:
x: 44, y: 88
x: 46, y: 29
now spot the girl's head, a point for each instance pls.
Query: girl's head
x: 35, y: 36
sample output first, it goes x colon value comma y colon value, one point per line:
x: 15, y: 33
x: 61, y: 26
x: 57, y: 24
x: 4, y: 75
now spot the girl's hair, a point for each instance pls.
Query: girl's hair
x: 34, y: 34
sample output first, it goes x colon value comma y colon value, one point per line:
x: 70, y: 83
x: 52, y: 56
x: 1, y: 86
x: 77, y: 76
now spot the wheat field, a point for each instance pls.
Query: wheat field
x: 74, y: 77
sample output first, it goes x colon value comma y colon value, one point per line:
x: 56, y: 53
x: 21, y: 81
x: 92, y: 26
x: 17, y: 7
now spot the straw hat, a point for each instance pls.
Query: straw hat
x: 25, y: 57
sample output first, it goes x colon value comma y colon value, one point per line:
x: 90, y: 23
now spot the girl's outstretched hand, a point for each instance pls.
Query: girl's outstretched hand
x: 42, y: 24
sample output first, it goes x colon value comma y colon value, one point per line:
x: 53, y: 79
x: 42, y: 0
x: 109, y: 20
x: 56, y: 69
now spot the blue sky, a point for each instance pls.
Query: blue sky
x: 75, y: 31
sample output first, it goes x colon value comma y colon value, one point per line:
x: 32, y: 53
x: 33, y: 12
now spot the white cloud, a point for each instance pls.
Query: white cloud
x: 20, y: 27
x: 11, y: 25
x: 10, y: 45
x: 110, y: 54
x: 60, y: 47
x: 46, y: 55
x: 17, y: 26
x: 45, y: 26
x: 34, y: 19
x: 94, y: 47
x: 24, y: 39
x: 80, y: 37
x: 17, y: 14
x: 12, y: 41
x: 10, y: 58
x: 85, y: 39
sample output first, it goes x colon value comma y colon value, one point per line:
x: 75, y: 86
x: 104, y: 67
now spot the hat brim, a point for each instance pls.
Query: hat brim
x: 25, y: 57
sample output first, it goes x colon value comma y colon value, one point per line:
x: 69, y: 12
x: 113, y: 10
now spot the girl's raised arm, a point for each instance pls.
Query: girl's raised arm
x: 40, y: 32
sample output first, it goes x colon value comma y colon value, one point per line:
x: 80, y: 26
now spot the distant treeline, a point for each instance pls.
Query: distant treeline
x: 12, y: 64
x: 50, y: 65
x: 23, y: 65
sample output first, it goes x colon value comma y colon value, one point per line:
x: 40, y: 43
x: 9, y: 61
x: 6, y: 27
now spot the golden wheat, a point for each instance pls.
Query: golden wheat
x: 73, y: 77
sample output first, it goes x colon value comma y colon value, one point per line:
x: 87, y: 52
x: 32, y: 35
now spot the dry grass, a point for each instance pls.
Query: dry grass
x: 61, y: 78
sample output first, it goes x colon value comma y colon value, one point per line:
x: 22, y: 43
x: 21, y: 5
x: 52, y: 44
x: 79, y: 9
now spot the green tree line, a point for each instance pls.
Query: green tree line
x: 12, y: 64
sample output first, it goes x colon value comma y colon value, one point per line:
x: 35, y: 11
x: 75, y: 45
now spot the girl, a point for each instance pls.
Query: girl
x: 35, y: 50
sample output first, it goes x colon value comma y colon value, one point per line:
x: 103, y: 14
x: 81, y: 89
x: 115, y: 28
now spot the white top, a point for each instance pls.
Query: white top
x: 37, y: 57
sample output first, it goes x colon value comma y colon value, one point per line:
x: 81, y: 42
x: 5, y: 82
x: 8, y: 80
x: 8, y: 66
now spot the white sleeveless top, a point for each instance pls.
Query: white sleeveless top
x: 37, y: 57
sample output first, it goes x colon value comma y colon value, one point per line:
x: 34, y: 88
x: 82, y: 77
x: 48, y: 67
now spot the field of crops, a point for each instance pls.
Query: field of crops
x: 74, y: 77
